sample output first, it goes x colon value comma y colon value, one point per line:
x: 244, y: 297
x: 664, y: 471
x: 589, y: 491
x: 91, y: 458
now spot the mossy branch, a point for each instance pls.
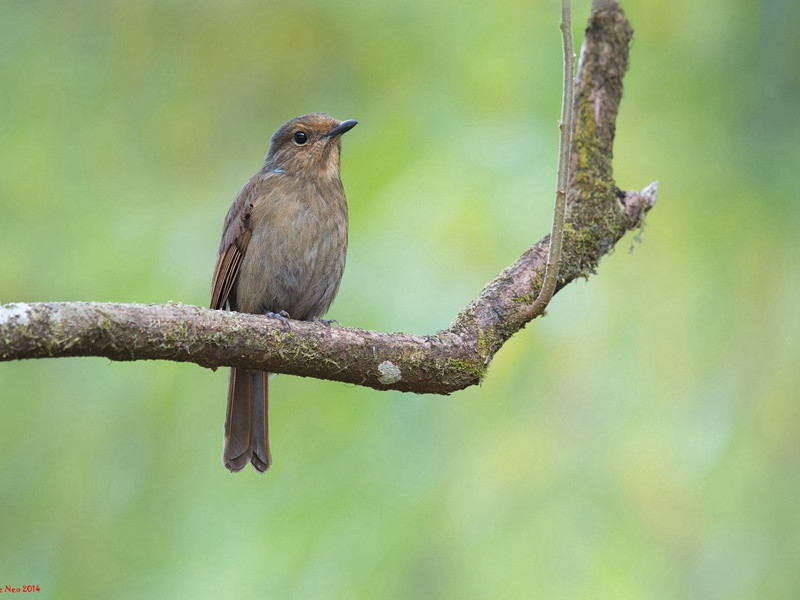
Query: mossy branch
x: 598, y: 215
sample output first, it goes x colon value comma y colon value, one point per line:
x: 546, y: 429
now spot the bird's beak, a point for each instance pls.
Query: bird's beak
x: 341, y: 128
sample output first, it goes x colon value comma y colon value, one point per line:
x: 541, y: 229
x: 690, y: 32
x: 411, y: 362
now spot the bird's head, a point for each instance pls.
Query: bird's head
x: 310, y: 144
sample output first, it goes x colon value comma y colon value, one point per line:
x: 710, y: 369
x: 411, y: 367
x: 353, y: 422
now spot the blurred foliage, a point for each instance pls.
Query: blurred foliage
x: 642, y: 441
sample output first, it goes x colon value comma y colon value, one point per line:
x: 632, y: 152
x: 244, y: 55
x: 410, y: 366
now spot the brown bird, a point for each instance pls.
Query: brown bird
x: 282, y: 254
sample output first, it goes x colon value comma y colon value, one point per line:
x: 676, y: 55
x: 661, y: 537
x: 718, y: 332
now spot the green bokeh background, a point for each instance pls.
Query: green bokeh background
x: 642, y: 441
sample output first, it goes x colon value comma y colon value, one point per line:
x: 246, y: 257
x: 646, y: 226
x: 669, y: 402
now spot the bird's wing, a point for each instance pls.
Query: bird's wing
x: 235, y: 237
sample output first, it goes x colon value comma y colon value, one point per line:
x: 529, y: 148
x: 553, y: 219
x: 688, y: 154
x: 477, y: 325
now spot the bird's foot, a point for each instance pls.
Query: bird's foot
x: 326, y: 322
x: 282, y: 316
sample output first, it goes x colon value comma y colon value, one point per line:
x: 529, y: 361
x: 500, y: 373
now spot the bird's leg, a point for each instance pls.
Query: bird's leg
x: 282, y: 316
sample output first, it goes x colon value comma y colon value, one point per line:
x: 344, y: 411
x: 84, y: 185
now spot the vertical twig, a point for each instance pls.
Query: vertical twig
x: 565, y: 126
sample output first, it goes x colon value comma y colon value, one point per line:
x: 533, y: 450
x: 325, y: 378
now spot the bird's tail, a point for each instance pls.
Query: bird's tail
x: 247, y: 421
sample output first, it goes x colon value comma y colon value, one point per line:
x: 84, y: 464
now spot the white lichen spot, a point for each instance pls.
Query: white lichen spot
x: 19, y: 312
x: 390, y: 373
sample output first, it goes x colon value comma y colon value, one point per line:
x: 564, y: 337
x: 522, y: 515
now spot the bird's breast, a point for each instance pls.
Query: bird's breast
x: 296, y: 255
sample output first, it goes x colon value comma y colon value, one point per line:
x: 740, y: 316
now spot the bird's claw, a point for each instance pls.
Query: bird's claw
x: 326, y: 322
x: 282, y: 316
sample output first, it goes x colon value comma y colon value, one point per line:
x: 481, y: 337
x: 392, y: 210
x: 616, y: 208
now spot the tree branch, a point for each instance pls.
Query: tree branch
x: 564, y: 149
x: 598, y: 216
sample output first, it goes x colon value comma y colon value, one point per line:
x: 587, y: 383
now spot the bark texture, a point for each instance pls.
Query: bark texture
x: 599, y: 214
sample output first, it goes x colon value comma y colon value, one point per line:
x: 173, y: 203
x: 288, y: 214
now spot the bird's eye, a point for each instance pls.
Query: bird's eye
x: 300, y: 138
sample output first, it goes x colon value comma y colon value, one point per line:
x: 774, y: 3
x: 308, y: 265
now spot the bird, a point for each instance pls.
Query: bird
x: 282, y: 254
